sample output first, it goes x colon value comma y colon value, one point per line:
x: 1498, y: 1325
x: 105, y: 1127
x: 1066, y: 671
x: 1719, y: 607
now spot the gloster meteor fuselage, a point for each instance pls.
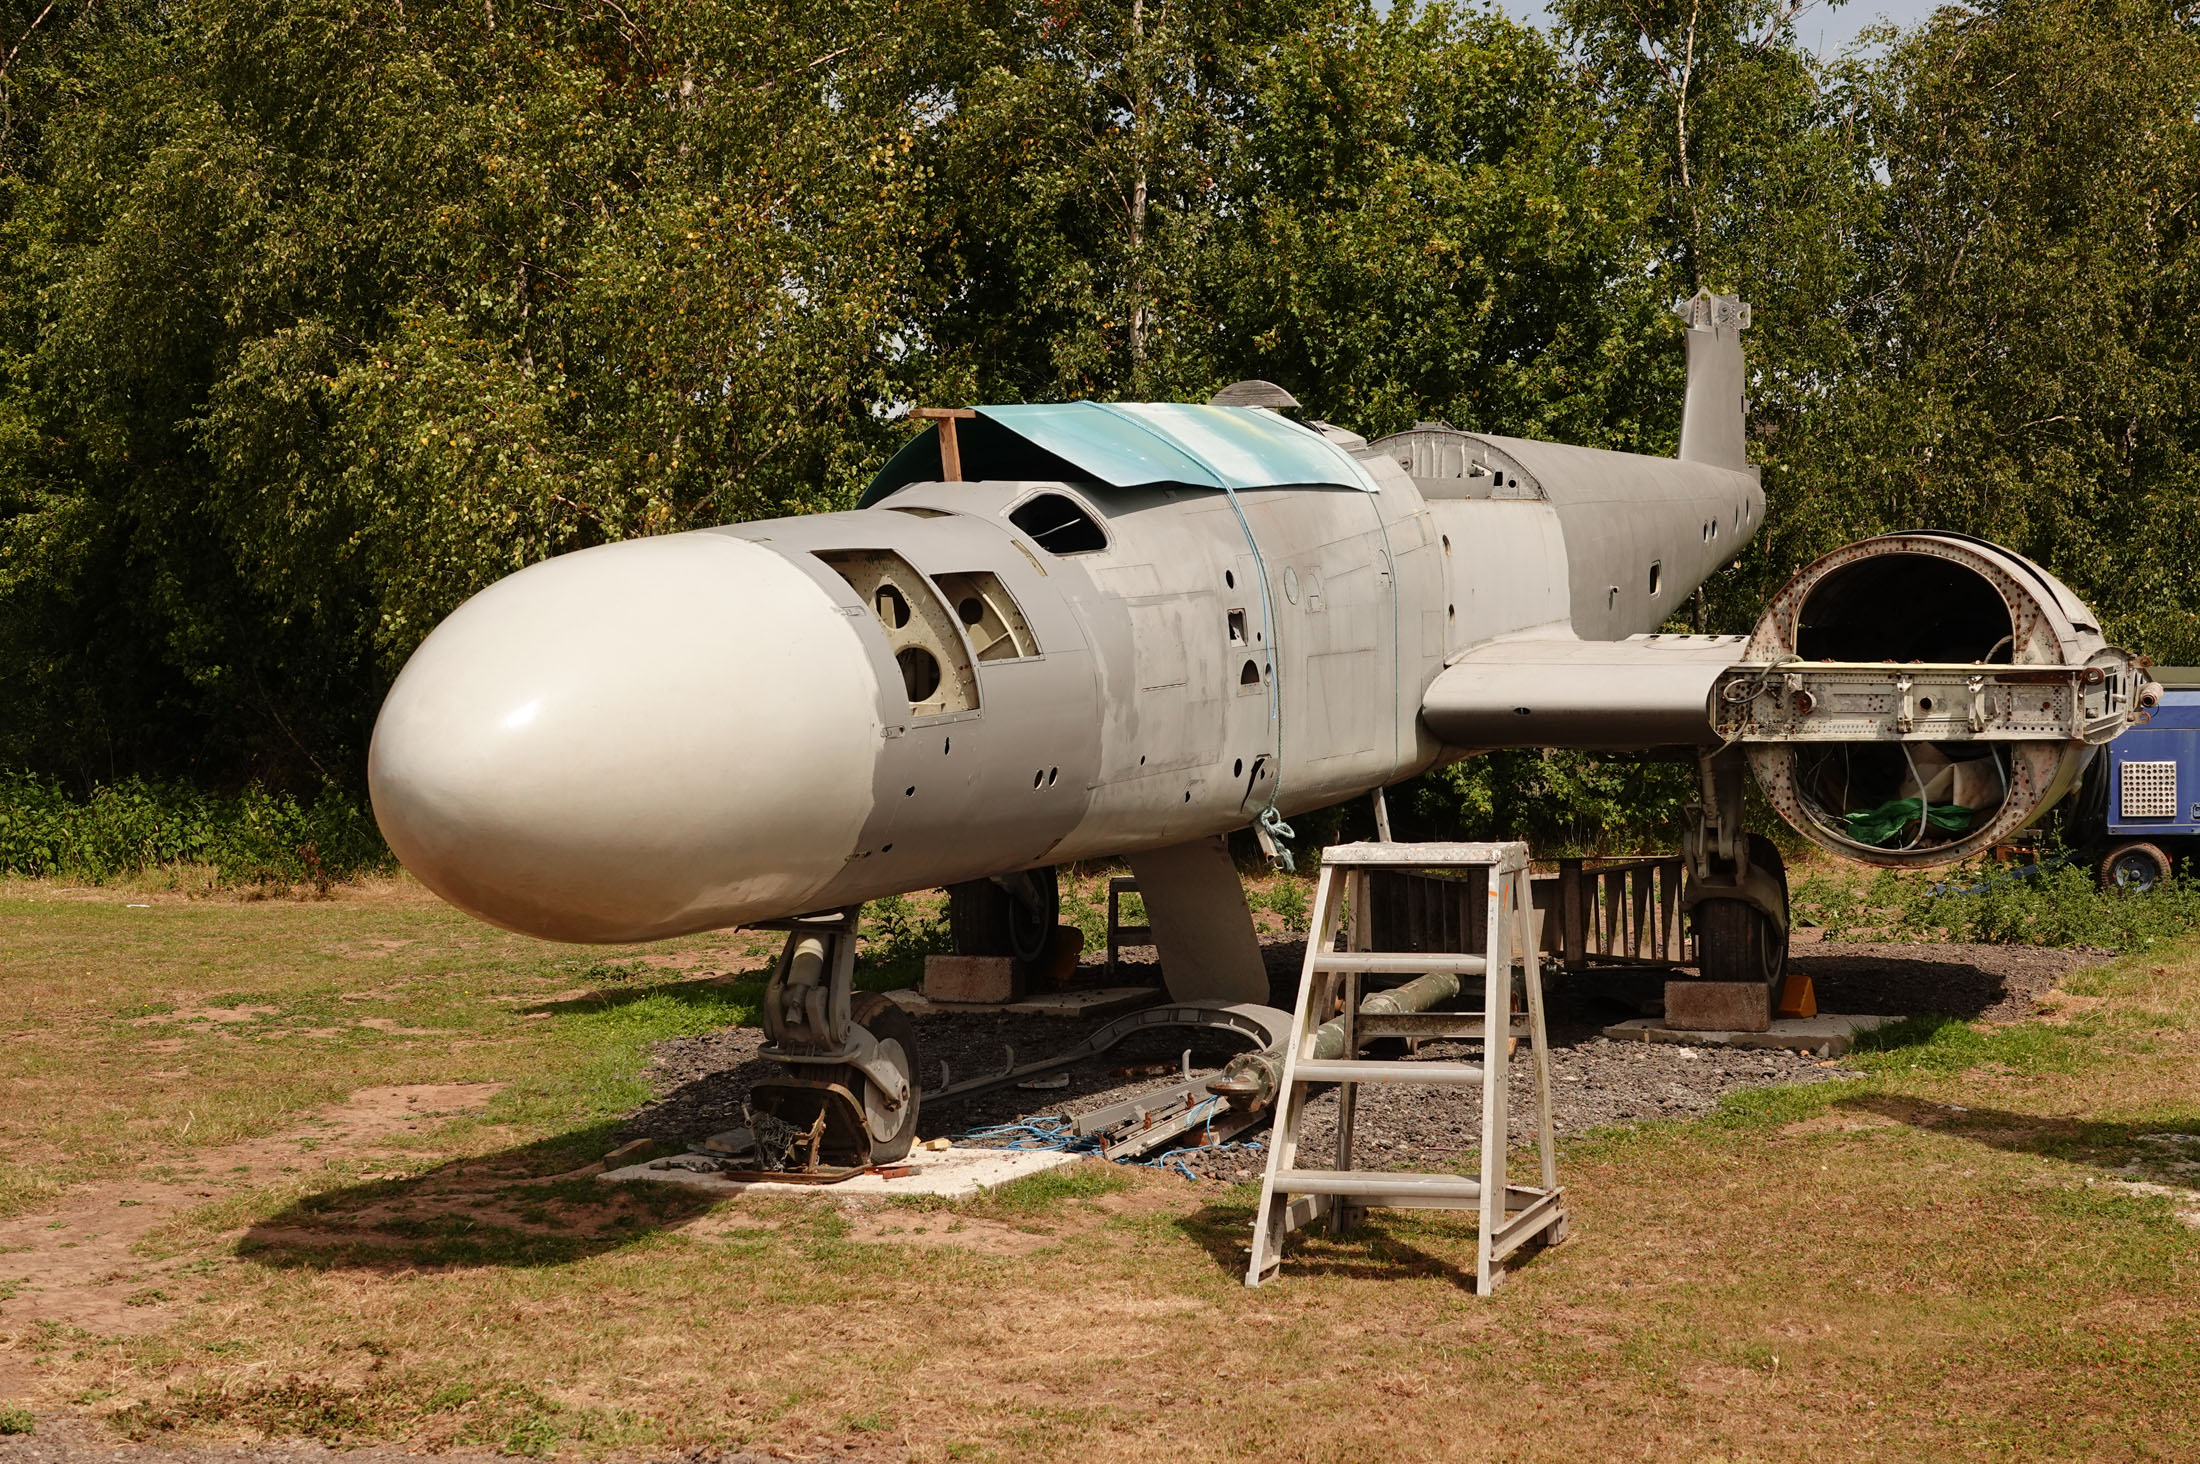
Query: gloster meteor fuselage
x: 1077, y: 630
x: 703, y: 729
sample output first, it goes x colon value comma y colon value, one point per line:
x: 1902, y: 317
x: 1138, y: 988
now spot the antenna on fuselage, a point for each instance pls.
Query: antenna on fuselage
x: 1714, y: 416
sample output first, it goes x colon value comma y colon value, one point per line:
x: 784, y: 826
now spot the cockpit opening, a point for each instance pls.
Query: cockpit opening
x: 1059, y: 524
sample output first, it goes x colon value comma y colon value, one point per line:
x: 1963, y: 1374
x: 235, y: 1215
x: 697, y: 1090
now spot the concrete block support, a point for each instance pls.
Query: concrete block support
x: 1718, y: 1006
x: 970, y: 978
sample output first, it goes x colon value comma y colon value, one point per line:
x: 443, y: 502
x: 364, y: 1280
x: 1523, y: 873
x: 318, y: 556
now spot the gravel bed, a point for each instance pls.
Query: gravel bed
x: 701, y: 1082
x: 1995, y: 983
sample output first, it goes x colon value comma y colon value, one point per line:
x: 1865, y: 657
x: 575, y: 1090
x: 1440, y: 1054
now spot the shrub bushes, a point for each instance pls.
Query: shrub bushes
x: 256, y: 837
x: 2051, y: 904
x: 899, y: 933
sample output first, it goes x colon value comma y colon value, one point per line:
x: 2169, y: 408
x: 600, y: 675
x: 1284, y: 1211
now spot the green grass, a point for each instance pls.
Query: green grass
x: 1945, y: 1045
x: 1940, y: 1259
x: 349, y: 994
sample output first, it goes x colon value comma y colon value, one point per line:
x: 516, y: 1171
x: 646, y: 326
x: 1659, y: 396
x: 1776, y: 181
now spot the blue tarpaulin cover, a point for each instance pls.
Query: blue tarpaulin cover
x: 1135, y: 444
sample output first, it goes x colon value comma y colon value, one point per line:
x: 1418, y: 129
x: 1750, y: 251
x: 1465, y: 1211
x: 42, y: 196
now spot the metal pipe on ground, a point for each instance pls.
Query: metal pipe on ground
x: 1253, y: 1078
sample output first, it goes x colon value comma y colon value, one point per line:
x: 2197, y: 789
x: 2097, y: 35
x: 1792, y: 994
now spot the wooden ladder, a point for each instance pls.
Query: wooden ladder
x: 1512, y: 1215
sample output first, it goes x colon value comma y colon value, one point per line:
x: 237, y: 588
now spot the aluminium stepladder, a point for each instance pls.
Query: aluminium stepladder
x: 1511, y: 1215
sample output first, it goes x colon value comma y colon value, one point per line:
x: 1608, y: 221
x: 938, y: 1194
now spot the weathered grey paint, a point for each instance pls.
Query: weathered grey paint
x: 1195, y: 903
x: 1171, y: 699
x: 1218, y: 655
x: 1713, y: 415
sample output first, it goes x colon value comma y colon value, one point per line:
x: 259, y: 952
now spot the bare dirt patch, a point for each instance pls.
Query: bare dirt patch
x: 986, y: 1237
x: 206, y: 1016
x: 726, y: 951
x: 76, y: 1264
x: 1841, y: 1121
x: 2184, y: 1203
x: 368, y: 949
x: 2057, y: 1007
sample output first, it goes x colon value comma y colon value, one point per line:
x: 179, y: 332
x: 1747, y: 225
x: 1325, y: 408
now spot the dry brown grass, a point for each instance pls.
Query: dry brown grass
x: 1946, y: 1261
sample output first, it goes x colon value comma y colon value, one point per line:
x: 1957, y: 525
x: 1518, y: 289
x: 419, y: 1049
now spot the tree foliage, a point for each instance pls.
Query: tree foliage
x: 316, y: 317
x: 2027, y: 339
x: 325, y: 315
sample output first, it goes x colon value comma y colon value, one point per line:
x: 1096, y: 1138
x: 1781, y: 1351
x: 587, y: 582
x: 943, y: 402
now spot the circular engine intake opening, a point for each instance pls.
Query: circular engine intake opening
x: 1904, y: 607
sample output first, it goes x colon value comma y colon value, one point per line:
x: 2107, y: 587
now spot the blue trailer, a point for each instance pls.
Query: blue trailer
x: 2140, y: 807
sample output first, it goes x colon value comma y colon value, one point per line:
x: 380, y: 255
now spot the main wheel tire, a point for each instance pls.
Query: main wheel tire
x: 977, y: 917
x: 2134, y: 868
x: 1031, y: 932
x: 896, y: 1035
x: 987, y: 920
x: 1735, y: 941
x: 1762, y: 851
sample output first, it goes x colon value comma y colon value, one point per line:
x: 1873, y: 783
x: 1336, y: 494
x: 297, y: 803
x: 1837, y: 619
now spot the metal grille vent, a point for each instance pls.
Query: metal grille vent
x: 2149, y: 790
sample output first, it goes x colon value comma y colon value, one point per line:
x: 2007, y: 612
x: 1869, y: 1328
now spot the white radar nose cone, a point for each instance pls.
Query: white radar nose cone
x: 641, y: 740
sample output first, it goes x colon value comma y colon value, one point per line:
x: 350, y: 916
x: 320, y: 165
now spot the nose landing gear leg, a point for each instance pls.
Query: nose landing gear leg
x: 851, y: 1056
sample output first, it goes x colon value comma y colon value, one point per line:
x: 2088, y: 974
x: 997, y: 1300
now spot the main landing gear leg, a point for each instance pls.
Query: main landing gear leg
x: 851, y: 1056
x: 1737, y: 891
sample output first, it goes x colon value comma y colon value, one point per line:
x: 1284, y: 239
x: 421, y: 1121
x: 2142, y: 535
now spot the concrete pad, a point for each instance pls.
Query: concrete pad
x: 947, y: 1173
x: 1826, y: 1034
x: 1095, y: 1002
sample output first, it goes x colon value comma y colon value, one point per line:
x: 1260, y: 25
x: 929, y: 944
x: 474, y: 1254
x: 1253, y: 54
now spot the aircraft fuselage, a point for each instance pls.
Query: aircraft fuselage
x: 705, y: 729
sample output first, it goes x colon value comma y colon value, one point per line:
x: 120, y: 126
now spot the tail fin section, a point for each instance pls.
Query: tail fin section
x: 1714, y: 417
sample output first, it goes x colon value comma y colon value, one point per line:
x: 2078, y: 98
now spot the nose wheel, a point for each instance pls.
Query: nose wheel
x: 889, y: 1121
x: 851, y: 1057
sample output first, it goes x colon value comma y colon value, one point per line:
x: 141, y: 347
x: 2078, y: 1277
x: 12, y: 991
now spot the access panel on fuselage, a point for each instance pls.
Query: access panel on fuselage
x: 1172, y: 609
x: 993, y: 779
x: 1332, y: 593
